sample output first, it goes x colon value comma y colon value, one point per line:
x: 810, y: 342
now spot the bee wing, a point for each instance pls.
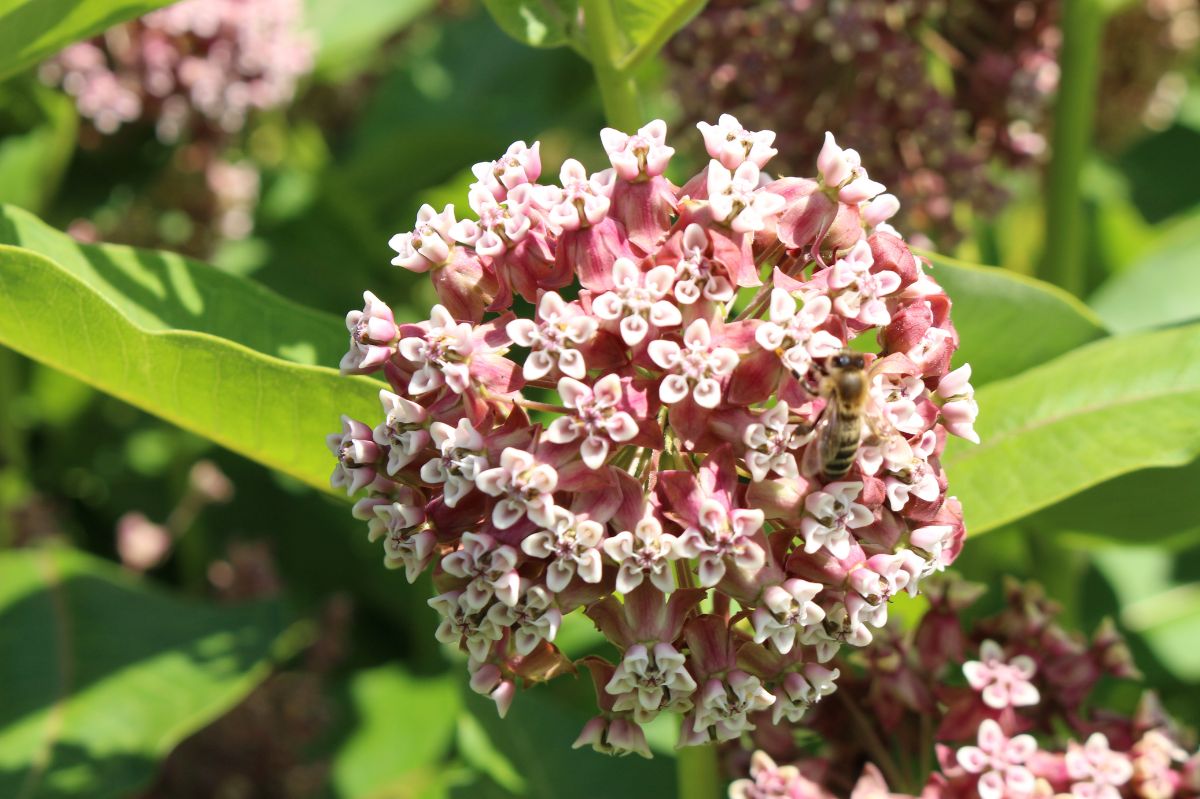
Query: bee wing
x: 822, y: 442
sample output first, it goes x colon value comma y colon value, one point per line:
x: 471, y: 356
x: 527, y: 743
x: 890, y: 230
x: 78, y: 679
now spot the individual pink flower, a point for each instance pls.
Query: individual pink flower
x: 572, y: 545
x: 842, y: 170
x: 532, y: 617
x: 772, y: 443
x: 737, y: 200
x: 1097, y: 772
x: 644, y: 154
x: 1000, y: 762
x: 858, y: 291
x: 405, y: 542
x: 501, y: 223
x: 373, y: 336
x: 650, y: 680
x: 732, y: 145
x: 490, y: 567
x: 440, y: 352
x: 596, y: 417
x: 524, y: 487
x: 1002, y: 682
x: 520, y: 165
x: 554, y: 339
x: 462, y: 458
x: 582, y: 200
x: 801, y: 690
x: 698, y: 277
x: 357, y: 454
x: 643, y: 552
x: 696, y: 369
x: 959, y: 408
x: 831, y: 515
x: 786, y: 611
x: 770, y: 781
x: 464, y: 625
x: 637, y: 302
x: 792, y: 331
x: 723, y: 707
x: 404, y: 431
x: 721, y: 533
x: 430, y: 242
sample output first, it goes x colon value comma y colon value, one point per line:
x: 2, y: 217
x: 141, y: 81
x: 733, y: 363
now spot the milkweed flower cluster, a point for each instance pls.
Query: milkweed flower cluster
x: 196, y: 64
x: 1028, y: 684
x: 640, y: 439
x: 939, y: 93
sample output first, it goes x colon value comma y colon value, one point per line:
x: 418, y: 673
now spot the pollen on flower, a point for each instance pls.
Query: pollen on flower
x: 645, y: 440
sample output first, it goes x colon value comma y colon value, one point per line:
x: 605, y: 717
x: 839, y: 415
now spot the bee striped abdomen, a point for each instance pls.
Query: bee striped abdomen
x: 844, y: 448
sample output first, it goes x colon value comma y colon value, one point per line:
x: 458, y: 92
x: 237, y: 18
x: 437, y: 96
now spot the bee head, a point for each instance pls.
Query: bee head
x: 846, y: 360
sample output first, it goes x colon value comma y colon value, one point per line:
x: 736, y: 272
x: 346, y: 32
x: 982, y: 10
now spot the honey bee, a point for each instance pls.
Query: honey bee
x: 844, y: 384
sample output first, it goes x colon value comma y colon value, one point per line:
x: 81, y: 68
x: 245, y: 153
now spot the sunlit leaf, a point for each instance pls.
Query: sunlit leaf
x: 400, y: 727
x: 1009, y: 322
x: 102, y: 676
x: 537, y: 23
x: 31, y: 30
x: 1162, y: 288
x: 210, y: 352
x: 1107, y: 409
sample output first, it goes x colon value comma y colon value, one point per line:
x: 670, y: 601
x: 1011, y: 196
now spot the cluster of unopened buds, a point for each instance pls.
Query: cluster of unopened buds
x: 992, y: 707
x: 198, y: 62
x: 640, y: 401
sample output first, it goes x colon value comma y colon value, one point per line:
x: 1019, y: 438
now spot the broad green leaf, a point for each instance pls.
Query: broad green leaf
x: 33, y: 161
x: 648, y: 24
x: 210, y: 352
x: 101, y: 676
x: 1009, y: 322
x: 537, y: 23
x: 31, y: 30
x: 1160, y: 289
x: 348, y: 40
x: 400, y: 728
x: 1159, y: 601
x: 1141, y: 507
x: 536, y: 736
x: 1109, y: 408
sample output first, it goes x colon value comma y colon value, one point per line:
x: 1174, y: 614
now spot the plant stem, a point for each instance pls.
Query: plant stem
x: 618, y: 90
x: 698, y: 774
x: 1074, y: 113
x: 13, y: 463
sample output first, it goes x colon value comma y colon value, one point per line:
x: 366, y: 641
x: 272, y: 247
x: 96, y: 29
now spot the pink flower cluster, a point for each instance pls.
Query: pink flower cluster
x: 617, y: 407
x: 198, y: 62
x: 996, y: 736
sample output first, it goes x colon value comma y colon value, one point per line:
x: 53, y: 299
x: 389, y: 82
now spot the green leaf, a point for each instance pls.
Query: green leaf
x: 103, y: 676
x: 1141, y: 507
x: 1008, y: 322
x: 347, y: 41
x: 400, y: 729
x: 1107, y: 409
x: 31, y: 30
x: 210, y: 352
x: 648, y: 24
x: 1160, y: 289
x: 32, y: 161
x: 537, y: 23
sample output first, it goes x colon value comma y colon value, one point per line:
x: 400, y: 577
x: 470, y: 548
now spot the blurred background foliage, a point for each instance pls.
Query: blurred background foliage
x: 266, y: 649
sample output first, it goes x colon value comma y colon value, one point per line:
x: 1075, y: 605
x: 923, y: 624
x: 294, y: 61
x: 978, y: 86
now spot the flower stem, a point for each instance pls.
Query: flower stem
x: 871, y: 742
x: 698, y: 774
x: 618, y: 90
x: 1074, y: 112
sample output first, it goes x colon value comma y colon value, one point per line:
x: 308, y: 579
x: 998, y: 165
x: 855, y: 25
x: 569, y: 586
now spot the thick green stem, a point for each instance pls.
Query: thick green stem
x: 699, y: 776
x: 618, y: 90
x: 1074, y: 113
